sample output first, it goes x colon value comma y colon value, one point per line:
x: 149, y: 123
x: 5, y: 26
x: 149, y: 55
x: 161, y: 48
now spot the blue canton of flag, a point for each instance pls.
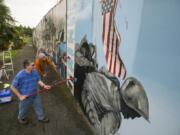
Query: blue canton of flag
x: 107, y: 6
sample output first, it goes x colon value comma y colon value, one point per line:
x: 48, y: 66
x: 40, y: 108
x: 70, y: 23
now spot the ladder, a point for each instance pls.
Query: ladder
x: 3, y: 73
x: 7, y: 62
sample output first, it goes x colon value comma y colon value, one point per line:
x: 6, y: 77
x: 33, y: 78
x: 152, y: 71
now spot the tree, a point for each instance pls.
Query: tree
x: 6, y: 28
x: 9, y: 32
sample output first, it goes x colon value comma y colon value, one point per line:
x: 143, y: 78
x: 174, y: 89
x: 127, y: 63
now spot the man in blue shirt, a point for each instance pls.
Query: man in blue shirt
x: 25, y: 83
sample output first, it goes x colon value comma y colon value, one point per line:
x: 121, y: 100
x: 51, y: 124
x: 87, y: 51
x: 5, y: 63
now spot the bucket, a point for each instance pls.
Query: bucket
x: 5, y: 96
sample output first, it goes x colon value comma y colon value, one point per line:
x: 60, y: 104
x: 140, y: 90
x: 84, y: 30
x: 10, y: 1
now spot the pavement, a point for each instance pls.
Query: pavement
x: 62, y: 109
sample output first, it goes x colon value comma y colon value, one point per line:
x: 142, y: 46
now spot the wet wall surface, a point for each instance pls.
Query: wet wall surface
x: 66, y: 117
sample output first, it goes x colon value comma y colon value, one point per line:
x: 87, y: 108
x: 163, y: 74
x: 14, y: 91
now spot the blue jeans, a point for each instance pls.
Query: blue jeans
x: 27, y: 103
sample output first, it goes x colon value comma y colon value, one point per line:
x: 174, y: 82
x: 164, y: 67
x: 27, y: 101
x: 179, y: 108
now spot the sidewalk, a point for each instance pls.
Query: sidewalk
x: 66, y: 117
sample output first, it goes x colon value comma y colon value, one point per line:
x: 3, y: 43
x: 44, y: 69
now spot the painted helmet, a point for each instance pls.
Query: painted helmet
x: 135, y: 97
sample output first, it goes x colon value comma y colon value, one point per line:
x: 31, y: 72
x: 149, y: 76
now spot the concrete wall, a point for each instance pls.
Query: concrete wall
x: 51, y: 33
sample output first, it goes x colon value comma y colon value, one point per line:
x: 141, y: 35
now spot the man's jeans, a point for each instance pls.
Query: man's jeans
x: 27, y: 103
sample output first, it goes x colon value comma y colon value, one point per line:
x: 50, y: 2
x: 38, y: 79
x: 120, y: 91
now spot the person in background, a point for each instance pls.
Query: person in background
x: 40, y: 64
x: 43, y: 50
x: 25, y: 83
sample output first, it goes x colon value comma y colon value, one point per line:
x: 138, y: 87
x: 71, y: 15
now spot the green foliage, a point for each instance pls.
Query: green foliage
x: 21, y: 37
x: 26, y: 39
x: 5, y: 16
x: 6, y: 29
x: 9, y: 32
x: 14, y: 53
x: 6, y: 36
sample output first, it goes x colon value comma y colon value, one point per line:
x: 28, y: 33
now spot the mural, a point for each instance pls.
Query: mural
x: 98, y: 90
x: 51, y: 34
x: 100, y: 95
x: 79, y: 23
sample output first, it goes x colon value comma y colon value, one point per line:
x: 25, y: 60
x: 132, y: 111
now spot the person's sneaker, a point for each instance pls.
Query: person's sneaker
x: 22, y: 121
x: 45, y: 120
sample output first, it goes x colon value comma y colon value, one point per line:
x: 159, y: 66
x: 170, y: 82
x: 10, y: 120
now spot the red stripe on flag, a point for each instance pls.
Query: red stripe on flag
x: 107, y: 45
x: 116, y: 53
x: 117, y: 33
x: 111, y: 53
x: 111, y: 41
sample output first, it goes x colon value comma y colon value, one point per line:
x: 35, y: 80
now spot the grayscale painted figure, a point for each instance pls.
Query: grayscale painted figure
x: 100, y: 95
x: 104, y: 101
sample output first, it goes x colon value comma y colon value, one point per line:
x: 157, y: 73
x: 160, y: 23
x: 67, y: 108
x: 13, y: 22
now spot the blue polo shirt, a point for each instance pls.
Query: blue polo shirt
x: 26, y: 83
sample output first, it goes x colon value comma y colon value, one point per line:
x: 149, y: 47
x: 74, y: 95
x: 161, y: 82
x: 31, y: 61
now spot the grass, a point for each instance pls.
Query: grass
x: 14, y: 53
x: 26, y: 39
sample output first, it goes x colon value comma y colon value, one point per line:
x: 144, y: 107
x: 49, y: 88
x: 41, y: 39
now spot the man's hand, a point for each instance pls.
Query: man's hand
x: 22, y: 97
x: 47, y: 86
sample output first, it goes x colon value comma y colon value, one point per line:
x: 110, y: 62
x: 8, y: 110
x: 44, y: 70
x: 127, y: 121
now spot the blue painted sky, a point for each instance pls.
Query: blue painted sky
x: 150, y: 51
x: 156, y: 65
x: 83, y: 20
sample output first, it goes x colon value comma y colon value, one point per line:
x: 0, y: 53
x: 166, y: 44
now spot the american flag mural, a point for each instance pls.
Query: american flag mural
x: 111, y: 39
